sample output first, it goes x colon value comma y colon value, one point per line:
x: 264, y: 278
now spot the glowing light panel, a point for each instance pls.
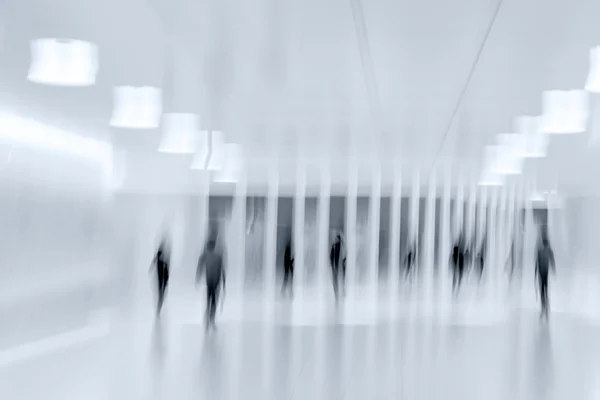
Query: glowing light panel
x: 63, y: 62
x: 564, y: 111
x: 181, y: 133
x: 136, y: 107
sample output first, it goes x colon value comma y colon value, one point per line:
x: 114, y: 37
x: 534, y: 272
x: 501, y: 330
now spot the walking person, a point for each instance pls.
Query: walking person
x: 160, y: 264
x: 288, y: 272
x: 544, y: 262
x: 337, y: 260
x: 212, y: 265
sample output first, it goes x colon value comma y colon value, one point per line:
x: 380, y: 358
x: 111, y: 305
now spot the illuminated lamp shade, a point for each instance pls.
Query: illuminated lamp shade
x: 63, y: 62
x: 200, y: 159
x: 534, y: 143
x: 564, y: 111
x: 592, y: 83
x: 232, y: 168
x: 508, y: 160
x: 180, y: 133
x: 136, y: 107
x: 217, y: 151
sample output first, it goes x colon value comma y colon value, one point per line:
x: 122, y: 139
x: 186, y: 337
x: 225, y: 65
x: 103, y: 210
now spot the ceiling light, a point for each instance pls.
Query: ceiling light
x: 202, y: 151
x: 136, y: 107
x: 180, y: 133
x: 488, y: 176
x: 507, y: 160
x: 593, y: 80
x: 534, y: 142
x: 565, y: 111
x: 63, y: 62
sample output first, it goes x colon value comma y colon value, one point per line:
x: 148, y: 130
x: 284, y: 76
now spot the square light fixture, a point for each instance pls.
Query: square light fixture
x: 181, y: 133
x: 534, y: 143
x: 508, y: 160
x: 136, y: 107
x: 564, y: 111
x: 63, y: 62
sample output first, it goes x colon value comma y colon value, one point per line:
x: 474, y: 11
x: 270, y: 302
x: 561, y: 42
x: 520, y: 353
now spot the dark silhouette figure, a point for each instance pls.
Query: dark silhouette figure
x: 458, y: 263
x: 410, y: 261
x: 212, y: 264
x: 288, y: 270
x: 338, y: 265
x: 161, y: 264
x: 480, y: 259
x: 544, y: 262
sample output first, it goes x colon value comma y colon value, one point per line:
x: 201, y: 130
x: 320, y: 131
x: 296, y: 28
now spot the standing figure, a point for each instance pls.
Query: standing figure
x: 212, y: 264
x: 338, y: 264
x: 288, y: 273
x: 544, y: 262
x: 160, y: 263
x: 410, y: 260
x: 458, y: 264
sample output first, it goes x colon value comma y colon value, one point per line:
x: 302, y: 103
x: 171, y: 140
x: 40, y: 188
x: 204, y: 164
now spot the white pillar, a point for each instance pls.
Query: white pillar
x: 271, y: 234
x: 396, y: 214
x: 374, y: 216
x: 299, y: 213
x: 492, y: 243
x: 430, y: 229
x: 459, y: 207
x: 471, y: 212
x: 414, y: 214
x: 351, y: 199
x: 238, y: 224
x: 445, y: 233
x: 323, y: 231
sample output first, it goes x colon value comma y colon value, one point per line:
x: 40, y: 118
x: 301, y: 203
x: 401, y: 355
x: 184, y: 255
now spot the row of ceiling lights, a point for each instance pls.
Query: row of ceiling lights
x: 75, y: 63
x: 563, y: 112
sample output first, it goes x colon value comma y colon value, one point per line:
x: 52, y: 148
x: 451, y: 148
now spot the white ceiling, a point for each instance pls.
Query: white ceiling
x: 286, y: 78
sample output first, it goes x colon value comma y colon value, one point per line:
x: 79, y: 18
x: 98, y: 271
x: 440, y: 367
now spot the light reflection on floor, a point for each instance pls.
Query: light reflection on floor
x: 471, y: 348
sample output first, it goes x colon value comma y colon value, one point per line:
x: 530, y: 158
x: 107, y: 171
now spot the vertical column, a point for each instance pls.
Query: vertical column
x: 323, y: 232
x: 238, y: 225
x: 374, y: 210
x: 299, y: 212
x: 351, y: 199
x: 492, y: 243
x: 430, y: 229
x: 459, y: 207
x: 445, y: 239
x: 271, y: 233
x: 472, y: 210
x: 414, y: 215
x: 502, y: 241
x: 396, y: 214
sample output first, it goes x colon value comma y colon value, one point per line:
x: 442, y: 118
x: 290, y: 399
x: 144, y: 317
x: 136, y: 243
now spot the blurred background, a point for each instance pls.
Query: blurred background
x: 398, y: 124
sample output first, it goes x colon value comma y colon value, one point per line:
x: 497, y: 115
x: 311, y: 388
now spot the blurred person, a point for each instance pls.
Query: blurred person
x: 212, y: 265
x: 160, y: 264
x: 544, y: 262
x: 410, y: 260
x: 337, y: 260
x: 480, y: 259
x: 458, y: 263
x: 288, y: 273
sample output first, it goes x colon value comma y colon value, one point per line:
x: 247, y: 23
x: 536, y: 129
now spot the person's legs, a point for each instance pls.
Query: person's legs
x: 335, y: 280
x: 214, y: 303
x: 161, y: 290
x: 544, y: 296
x: 210, y: 294
x: 286, y: 277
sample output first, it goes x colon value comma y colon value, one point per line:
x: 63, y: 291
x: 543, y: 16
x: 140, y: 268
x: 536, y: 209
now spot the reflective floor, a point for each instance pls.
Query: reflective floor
x: 472, y: 348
